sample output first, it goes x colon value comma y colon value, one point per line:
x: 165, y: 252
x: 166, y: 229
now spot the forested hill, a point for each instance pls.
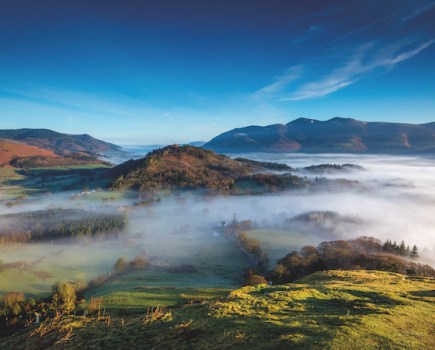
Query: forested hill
x: 59, y: 143
x: 180, y: 167
x: 335, y: 135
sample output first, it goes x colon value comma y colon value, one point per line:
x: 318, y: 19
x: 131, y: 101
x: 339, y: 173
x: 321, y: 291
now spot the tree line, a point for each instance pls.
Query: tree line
x: 365, y: 253
x: 251, y: 246
x: 58, y: 223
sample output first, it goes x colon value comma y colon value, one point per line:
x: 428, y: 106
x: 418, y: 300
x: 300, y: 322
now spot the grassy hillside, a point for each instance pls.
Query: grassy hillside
x: 326, y: 310
x: 17, y: 182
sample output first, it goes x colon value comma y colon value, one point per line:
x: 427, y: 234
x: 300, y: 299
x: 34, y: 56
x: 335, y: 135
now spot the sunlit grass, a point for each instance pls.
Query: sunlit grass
x: 327, y: 310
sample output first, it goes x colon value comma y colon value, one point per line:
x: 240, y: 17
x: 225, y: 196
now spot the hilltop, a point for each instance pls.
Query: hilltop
x: 189, y: 167
x: 340, y: 135
x: 325, y: 310
x: 180, y: 167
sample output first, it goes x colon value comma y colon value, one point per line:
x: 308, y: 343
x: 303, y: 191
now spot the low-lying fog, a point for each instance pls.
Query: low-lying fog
x: 394, y: 199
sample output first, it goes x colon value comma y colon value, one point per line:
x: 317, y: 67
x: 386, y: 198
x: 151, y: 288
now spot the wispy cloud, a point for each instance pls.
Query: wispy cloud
x: 280, y: 83
x: 334, y: 67
x: 419, y: 11
x: 368, y: 58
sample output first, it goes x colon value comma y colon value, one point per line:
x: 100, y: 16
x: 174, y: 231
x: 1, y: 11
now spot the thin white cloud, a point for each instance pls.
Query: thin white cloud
x: 369, y: 25
x: 410, y: 54
x: 367, y: 59
x: 280, y: 83
x: 419, y: 11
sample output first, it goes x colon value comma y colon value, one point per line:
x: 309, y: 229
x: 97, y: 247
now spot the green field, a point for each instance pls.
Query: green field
x: 15, y: 182
x: 70, y: 167
x: 183, y: 268
x: 192, y: 265
x: 137, y: 295
x: 41, y: 265
x: 9, y: 191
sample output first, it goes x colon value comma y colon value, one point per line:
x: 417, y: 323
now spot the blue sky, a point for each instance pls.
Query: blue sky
x: 153, y: 72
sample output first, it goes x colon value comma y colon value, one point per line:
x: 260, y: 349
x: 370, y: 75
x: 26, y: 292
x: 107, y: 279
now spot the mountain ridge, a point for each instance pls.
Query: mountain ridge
x: 59, y: 143
x: 336, y: 135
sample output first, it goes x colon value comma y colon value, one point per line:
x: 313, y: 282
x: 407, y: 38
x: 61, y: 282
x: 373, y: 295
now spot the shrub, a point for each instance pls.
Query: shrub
x: 139, y: 263
x: 254, y: 280
x: 64, y: 296
x: 121, y: 265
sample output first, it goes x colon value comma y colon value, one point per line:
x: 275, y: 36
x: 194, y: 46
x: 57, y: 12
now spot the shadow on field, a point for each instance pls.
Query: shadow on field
x: 365, y: 303
x: 59, y: 179
x: 424, y: 293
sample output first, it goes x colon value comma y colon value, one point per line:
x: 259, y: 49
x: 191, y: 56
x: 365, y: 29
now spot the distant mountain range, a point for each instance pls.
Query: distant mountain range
x: 61, y: 144
x: 337, y: 135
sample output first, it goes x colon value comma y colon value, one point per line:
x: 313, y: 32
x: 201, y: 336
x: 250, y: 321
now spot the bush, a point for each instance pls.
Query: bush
x: 139, y: 263
x: 121, y: 265
x: 11, y: 302
x: 254, y: 280
x: 64, y: 296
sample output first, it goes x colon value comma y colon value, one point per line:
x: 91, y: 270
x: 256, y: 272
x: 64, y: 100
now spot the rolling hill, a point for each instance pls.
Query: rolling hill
x: 337, y: 135
x: 179, y: 167
x: 10, y: 150
x: 187, y: 167
x: 338, y: 310
x: 61, y: 144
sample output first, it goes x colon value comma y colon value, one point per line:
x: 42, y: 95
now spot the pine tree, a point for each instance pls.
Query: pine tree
x: 402, y: 248
x: 395, y: 248
x: 387, y: 247
x: 414, y: 252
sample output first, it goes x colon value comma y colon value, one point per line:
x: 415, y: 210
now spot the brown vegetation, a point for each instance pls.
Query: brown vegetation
x: 252, y: 279
x: 10, y: 150
x: 179, y: 167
